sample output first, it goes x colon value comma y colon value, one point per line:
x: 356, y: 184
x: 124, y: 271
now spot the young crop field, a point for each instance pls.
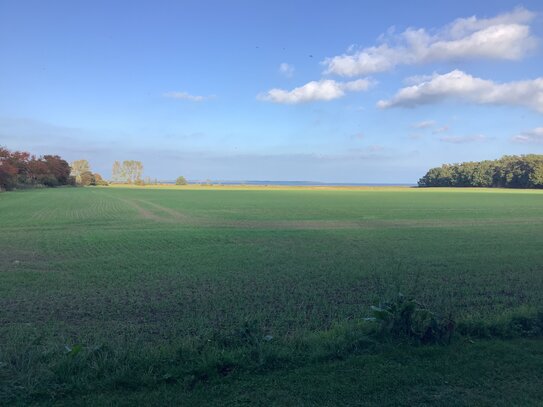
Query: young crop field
x: 229, y: 296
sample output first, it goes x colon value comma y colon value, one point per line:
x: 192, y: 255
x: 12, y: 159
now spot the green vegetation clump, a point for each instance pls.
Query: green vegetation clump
x: 406, y: 318
x: 181, y: 181
x: 525, y: 171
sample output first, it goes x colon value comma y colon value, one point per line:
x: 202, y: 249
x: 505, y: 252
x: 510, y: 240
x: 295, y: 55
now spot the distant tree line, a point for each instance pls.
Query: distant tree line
x: 510, y: 171
x: 19, y: 169
x: 129, y: 172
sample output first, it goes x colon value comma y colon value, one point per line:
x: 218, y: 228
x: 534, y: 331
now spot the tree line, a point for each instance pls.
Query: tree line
x: 510, y: 171
x: 21, y: 169
x: 127, y: 172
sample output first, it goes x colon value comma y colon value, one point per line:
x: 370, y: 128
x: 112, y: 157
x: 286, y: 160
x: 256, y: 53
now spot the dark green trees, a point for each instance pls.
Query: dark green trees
x: 525, y: 171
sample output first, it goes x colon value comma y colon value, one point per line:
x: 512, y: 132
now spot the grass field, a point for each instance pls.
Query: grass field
x: 161, y: 296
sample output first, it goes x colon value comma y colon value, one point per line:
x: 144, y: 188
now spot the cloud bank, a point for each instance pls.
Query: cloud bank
x: 506, y: 36
x: 460, y: 86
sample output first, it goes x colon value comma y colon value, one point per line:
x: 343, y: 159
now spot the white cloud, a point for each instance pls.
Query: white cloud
x: 425, y: 124
x: 463, y: 26
x: 325, y: 89
x: 530, y: 136
x: 187, y: 96
x: 464, y: 139
x: 286, y: 70
x: 461, y: 86
x: 506, y: 36
x: 413, y: 80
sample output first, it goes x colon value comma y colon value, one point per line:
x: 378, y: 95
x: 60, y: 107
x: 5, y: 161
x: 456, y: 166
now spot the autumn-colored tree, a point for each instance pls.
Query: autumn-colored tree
x: 98, y: 180
x: 38, y: 173
x: 20, y: 168
x: 116, y: 172
x: 21, y: 159
x: 59, y: 168
x: 132, y: 171
x: 78, y: 168
x: 86, y: 178
x: 8, y: 170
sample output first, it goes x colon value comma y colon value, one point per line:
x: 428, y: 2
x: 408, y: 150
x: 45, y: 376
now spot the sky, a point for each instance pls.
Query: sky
x: 335, y: 91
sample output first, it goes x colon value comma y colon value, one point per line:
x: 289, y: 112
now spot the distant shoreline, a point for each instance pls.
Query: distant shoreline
x: 292, y: 183
x: 262, y: 187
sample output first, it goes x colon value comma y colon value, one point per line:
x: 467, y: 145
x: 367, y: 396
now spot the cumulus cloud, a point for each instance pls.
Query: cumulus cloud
x: 529, y: 136
x: 286, y: 70
x: 187, y: 96
x: 506, y: 36
x: 325, y: 89
x: 461, y: 86
x: 464, y: 139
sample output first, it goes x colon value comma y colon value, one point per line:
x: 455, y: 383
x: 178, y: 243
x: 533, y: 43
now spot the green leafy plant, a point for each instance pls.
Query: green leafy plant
x: 405, y: 318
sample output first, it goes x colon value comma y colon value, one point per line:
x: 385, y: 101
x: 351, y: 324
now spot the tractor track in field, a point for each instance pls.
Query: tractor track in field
x: 148, y: 210
x: 179, y: 216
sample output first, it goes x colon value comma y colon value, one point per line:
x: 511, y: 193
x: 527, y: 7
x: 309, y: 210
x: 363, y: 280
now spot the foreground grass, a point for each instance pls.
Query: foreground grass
x: 34, y: 369
x: 487, y: 373
x: 132, y: 276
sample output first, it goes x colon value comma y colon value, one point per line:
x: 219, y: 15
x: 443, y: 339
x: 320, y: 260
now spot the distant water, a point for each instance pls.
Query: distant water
x: 296, y: 183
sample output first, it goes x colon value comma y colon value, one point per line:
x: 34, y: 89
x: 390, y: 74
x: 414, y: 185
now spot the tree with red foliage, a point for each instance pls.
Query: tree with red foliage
x: 20, y: 168
x: 8, y: 170
x: 58, y: 168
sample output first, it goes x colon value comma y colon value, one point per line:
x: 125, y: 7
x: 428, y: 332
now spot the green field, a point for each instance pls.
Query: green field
x: 161, y: 296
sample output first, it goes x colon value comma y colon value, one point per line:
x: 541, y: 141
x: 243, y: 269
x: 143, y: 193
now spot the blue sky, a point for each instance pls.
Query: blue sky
x: 343, y: 91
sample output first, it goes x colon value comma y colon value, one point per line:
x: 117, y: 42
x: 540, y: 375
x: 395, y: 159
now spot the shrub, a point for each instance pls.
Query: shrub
x: 181, y: 181
x: 98, y: 180
x: 405, y: 318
